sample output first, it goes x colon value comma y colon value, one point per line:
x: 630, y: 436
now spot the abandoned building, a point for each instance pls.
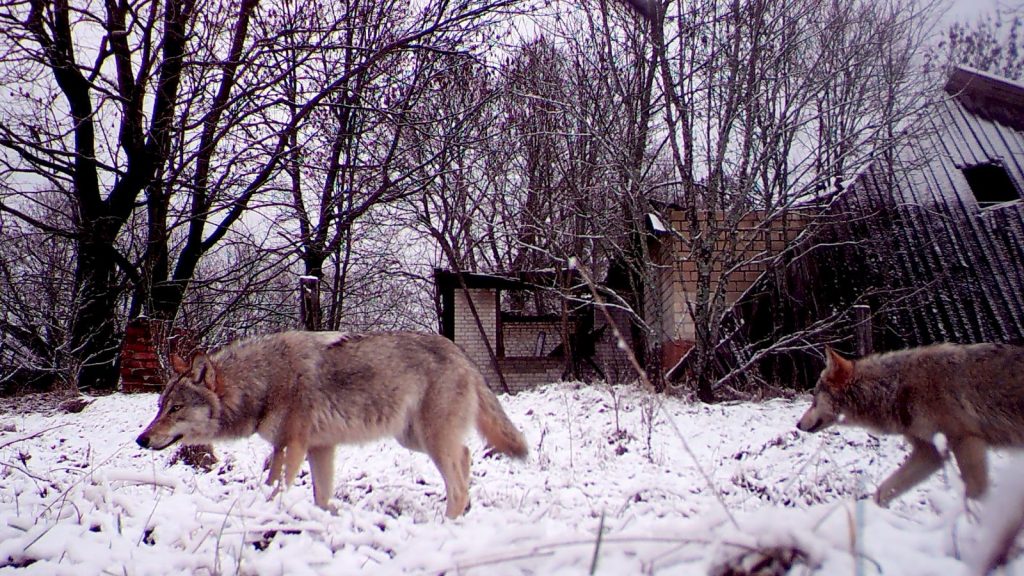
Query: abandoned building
x: 523, y: 325
x: 674, y: 284
x: 933, y: 249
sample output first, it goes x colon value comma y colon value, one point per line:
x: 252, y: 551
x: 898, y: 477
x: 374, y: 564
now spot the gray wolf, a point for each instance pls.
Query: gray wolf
x: 305, y: 392
x: 972, y: 394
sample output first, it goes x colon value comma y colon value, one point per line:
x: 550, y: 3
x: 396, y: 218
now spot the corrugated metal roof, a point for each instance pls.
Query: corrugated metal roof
x: 987, y: 96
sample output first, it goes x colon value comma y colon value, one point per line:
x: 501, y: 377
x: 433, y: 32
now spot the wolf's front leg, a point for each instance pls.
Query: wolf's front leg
x: 922, y: 462
x: 321, y: 466
x: 970, y: 457
x: 275, y: 466
x: 284, y: 466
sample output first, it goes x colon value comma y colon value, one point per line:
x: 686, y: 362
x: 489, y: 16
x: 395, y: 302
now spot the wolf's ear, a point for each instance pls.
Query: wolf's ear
x: 179, y: 365
x: 838, y: 370
x: 203, y: 371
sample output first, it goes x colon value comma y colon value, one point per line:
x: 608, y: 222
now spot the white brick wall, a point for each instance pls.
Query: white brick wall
x: 467, y: 333
x: 519, y: 373
x: 523, y: 339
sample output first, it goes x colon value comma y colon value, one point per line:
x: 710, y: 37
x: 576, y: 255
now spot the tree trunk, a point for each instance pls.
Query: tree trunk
x: 94, y: 334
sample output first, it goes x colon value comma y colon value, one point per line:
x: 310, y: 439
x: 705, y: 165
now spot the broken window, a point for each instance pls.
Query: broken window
x: 991, y: 184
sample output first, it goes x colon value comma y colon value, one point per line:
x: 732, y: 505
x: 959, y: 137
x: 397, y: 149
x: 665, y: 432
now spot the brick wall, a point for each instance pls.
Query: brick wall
x: 676, y: 281
x: 524, y: 338
x: 518, y: 365
x: 141, y: 370
x: 467, y: 334
x: 525, y: 373
x: 146, y: 341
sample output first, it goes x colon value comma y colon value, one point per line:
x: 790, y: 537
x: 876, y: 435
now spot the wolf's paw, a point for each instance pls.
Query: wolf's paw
x: 880, y: 500
x: 972, y: 511
x: 278, y: 490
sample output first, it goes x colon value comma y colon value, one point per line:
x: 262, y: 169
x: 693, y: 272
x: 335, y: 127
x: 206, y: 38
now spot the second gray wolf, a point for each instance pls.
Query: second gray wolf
x: 972, y: 394
x: 305, y: 392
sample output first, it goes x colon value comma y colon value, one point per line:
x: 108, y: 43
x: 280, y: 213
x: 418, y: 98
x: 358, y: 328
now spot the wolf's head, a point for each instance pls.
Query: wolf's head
x: 189, y: 406
x: 825, y: 409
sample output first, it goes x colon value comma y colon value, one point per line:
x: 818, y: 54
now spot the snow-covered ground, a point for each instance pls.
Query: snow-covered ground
x: 671, y: 487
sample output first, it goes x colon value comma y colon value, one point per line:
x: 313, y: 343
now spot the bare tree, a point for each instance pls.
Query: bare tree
x: 993, y: 43
x: 456, y: 143
x: 552, y: 159
x: 612, y: 55
x: 91, y: 118
x: 361, y: 150
x: 36, y: 270
x: 769, y: 104
x: 182, y: 110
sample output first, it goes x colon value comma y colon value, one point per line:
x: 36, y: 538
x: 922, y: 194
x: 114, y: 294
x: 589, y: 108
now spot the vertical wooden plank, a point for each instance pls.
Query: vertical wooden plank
x: 309, y: 302
x: 862, y: 329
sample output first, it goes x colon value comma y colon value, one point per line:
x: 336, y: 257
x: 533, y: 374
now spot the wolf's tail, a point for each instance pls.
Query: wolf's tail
x: 491, y: 420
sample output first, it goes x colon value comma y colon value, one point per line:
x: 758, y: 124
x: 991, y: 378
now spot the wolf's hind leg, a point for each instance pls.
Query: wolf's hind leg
x: 923, y: 461
x: 452, y: 460
x: 409, y: 438
x: 970, y: 457
x: 321, y: 465
x: 465, y: 464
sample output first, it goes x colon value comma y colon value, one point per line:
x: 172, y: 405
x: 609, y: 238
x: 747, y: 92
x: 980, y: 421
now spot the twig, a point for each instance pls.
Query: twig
x: 524, y: 556
x: 597, y: 545
x: 568, y: 425
x: 31, y: 436
x: 548, y: 550
x: 39, y: 537
x: 88, y: 474
x: 148, y: 520
x: 642, y: 375
x: 216, y: 548
x: 206, y: 534
x: 27, y: 473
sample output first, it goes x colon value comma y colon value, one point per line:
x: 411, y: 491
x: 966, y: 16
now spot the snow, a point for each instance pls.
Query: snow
x: 77, y: 496
x: 656, y: 225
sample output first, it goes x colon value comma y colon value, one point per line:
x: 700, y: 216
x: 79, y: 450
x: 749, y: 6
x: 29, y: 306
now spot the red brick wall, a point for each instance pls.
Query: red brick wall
x: 145, y: 343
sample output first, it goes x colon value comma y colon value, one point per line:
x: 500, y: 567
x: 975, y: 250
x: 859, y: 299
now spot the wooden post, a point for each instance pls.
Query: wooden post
x: 309, y: 302
x: 862, y: 329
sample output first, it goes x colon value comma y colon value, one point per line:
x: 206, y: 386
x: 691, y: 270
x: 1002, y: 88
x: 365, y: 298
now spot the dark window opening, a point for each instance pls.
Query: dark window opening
x: 991, y: 184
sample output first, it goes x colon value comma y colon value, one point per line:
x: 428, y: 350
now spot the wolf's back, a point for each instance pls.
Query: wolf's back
x: 996, y: 387
x: 985, y: 368
x: 987, y: 372
x: 976, y: 388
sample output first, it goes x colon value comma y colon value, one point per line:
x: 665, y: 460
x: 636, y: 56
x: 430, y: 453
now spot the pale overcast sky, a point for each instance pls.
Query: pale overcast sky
x: 966, y: 9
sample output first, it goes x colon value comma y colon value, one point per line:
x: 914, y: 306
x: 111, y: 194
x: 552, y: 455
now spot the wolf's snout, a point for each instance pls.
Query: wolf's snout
x: 809, y: 427
x: 142, y: 441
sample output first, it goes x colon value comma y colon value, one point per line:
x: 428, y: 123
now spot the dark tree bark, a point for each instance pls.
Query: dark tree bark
x: 94, y: 333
